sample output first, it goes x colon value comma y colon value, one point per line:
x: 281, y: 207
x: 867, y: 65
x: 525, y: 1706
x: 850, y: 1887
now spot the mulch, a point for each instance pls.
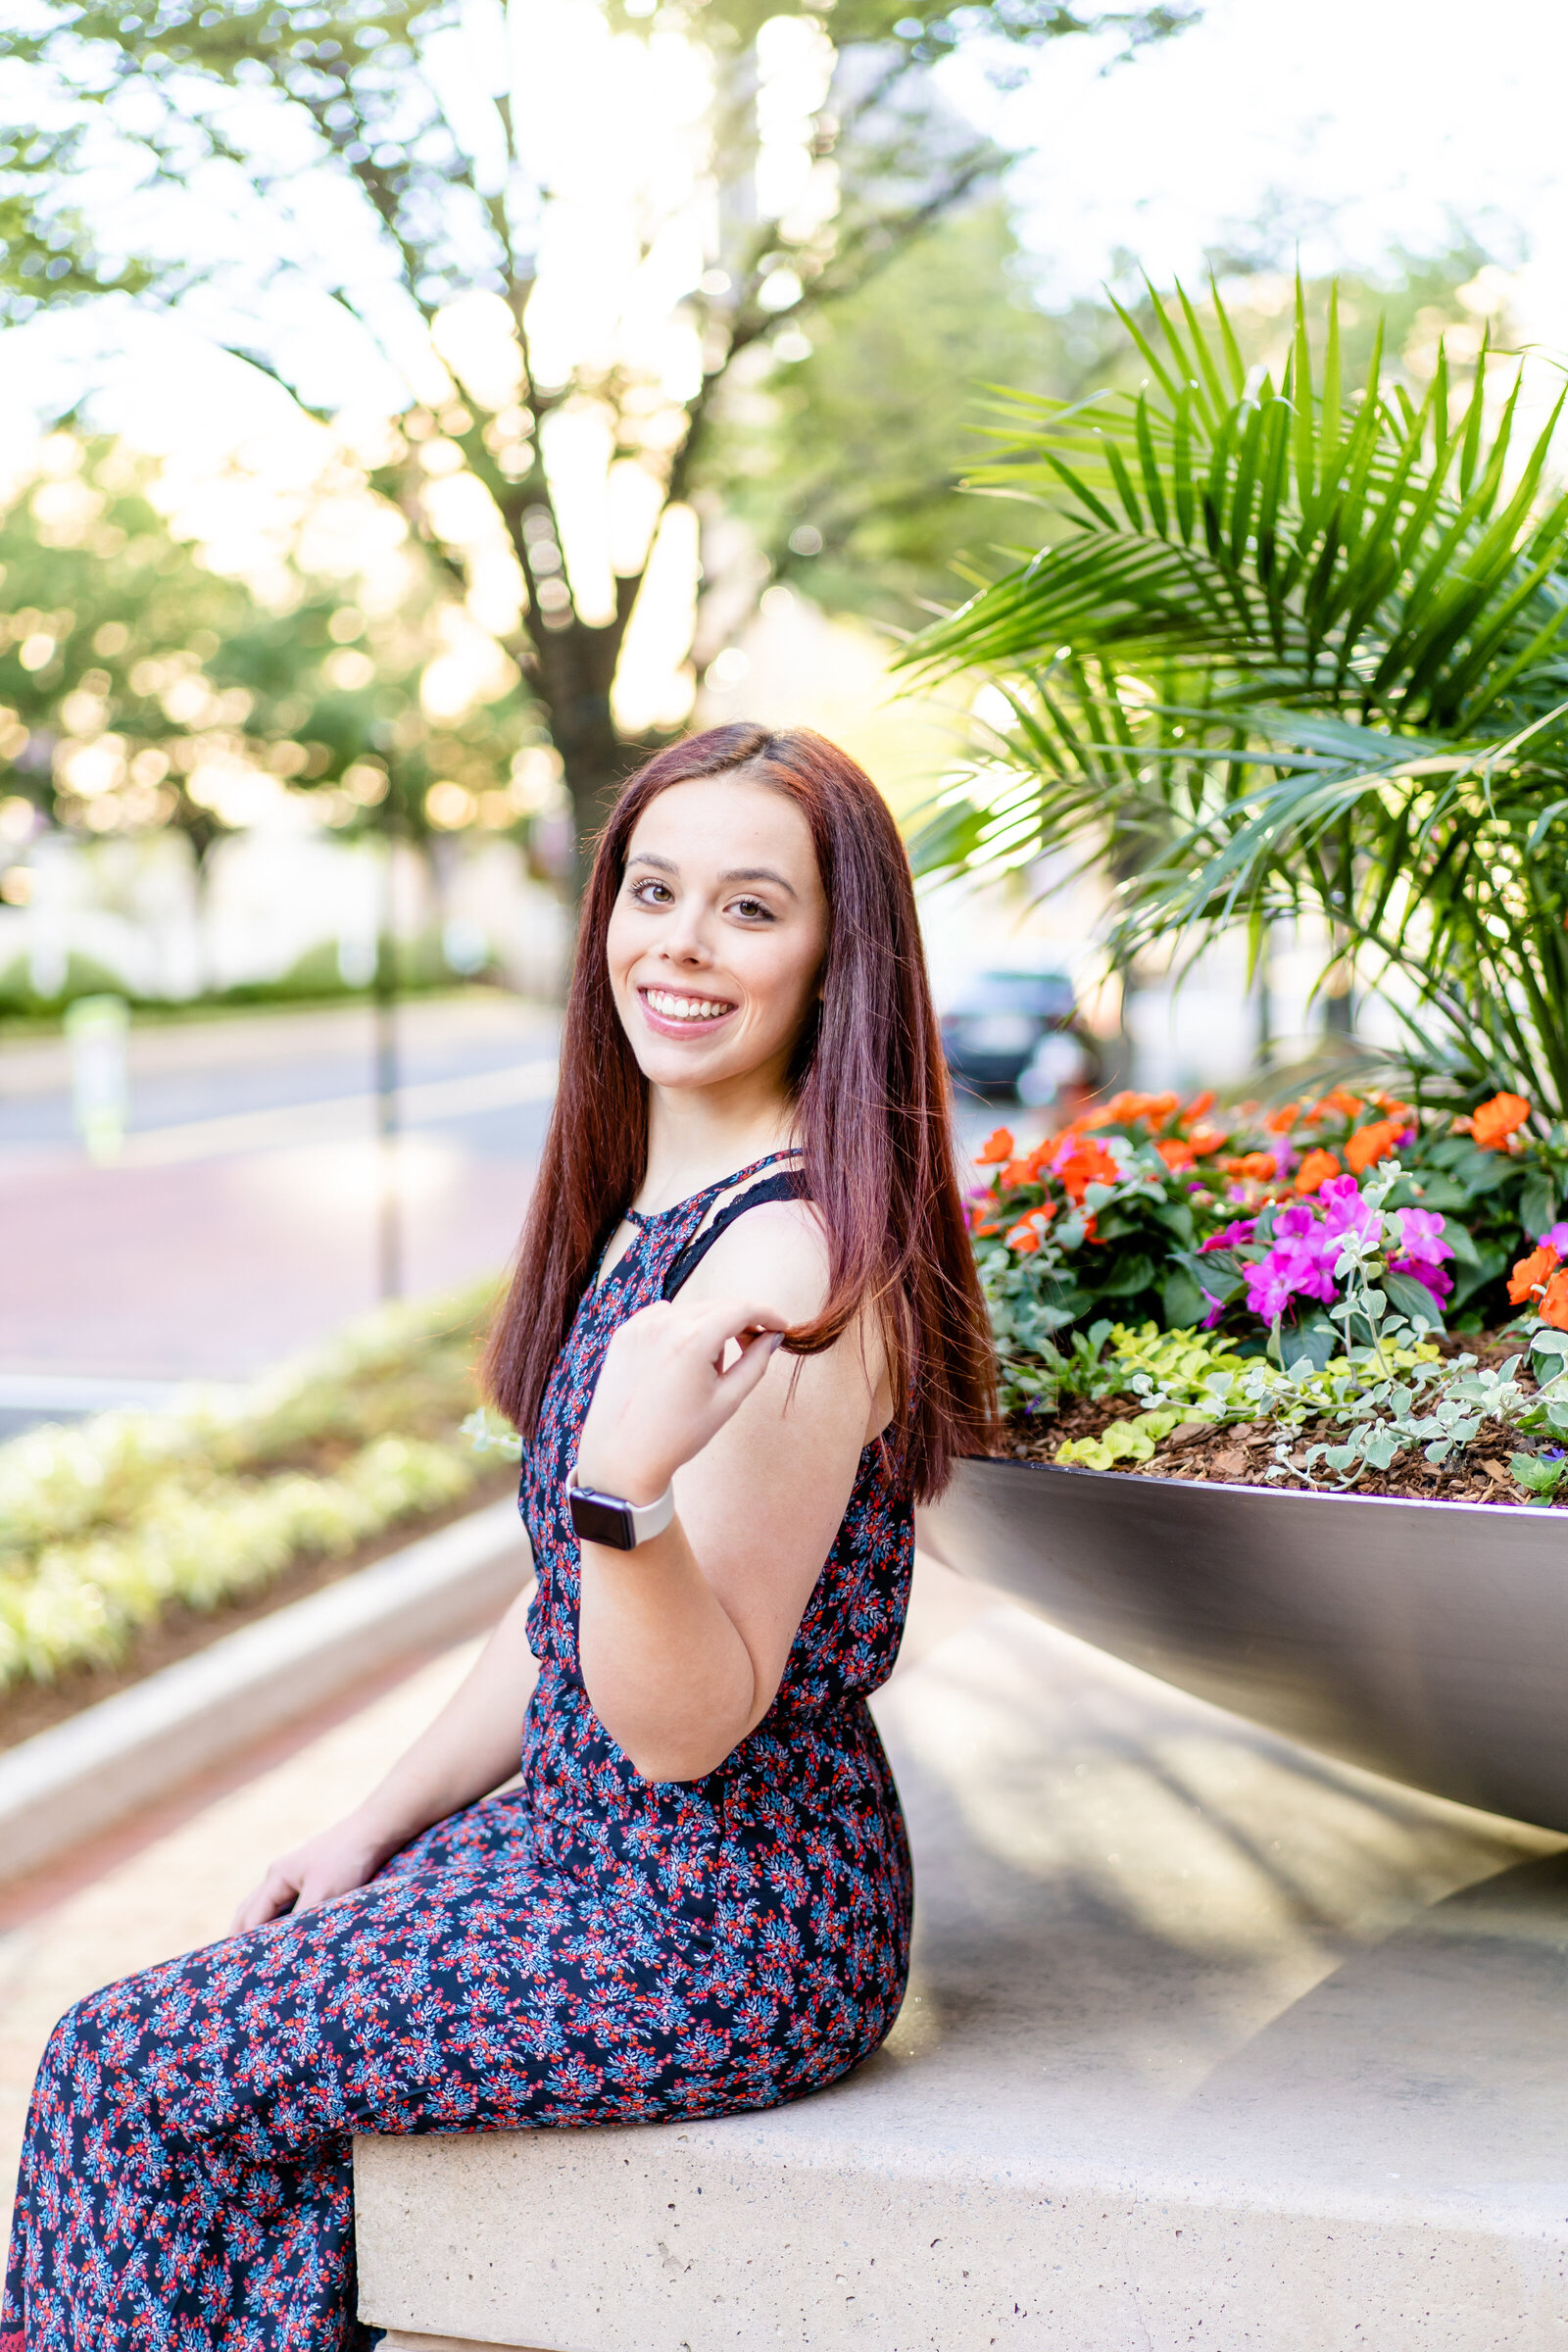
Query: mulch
x: 1242, y: 1453
x: 179, y: 1633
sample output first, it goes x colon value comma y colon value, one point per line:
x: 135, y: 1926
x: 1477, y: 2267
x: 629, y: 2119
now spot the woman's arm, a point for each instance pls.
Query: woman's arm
x: 683, y: 1641
x: 471, y: 1747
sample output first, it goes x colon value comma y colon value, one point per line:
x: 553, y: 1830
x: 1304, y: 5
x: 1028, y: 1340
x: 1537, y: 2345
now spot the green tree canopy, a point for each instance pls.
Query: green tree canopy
x: 139, y: 688
x: 394, y: 153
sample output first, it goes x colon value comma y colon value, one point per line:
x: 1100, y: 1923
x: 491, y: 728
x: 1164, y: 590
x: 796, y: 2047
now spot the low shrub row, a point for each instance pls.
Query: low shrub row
x: 108, y: 1523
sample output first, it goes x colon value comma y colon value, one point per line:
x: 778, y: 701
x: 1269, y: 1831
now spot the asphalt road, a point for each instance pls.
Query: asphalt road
x: 238, y: 1223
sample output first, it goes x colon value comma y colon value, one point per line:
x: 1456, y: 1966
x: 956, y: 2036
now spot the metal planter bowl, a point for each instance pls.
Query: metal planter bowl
x: 1426, y: 1641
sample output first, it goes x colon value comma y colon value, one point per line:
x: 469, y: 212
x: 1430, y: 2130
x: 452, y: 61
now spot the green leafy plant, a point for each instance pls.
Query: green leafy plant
x: 109, y: 1523
x: 1298, y: 649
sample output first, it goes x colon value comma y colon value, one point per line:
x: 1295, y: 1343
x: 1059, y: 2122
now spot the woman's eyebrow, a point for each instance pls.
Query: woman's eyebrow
x: 665, y: 866
x: 757, y: 873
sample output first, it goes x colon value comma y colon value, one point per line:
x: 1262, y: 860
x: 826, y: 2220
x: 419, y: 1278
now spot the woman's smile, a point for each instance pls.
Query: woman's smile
x: 683, y: 1015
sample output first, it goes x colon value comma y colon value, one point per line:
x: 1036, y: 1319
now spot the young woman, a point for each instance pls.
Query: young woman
x: 743, y: 1333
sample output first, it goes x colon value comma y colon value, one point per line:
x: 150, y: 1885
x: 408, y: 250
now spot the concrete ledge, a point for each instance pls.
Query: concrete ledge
x: 1207, y: 2042
x: 397, y: 2340
x: 114, y: 1758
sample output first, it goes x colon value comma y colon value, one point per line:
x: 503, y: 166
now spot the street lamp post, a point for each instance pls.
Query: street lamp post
x: 384, y: 994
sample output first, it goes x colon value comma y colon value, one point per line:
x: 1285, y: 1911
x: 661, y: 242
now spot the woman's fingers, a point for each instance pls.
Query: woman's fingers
x: 712, y: 1326
x: 274, y: 1894
x: 747, y: 1371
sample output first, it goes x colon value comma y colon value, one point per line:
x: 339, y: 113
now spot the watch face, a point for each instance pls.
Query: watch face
x: 602, y: 1519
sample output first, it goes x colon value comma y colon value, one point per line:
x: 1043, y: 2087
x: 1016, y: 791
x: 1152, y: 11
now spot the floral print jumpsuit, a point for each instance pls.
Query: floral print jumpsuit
x: 588, y: 1948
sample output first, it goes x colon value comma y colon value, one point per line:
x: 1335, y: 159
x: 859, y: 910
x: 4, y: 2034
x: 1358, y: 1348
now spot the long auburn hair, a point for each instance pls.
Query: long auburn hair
x: 871, y: 1116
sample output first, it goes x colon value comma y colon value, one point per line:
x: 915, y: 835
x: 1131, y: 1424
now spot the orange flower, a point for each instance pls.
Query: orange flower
x: 1493, y: 1122
x: 1370, y: 1143
x: 1335, y: 1105
x: 1030, y: 1231
x: 1402, y: 1113
x: 1123, y: 1109
x: 1530, y: 1273
x: 1087, y: 1164
x: 1120, y: 1106
x: 1016, y: 1173
x: 996, y: 1147
x: 1259, y: 1165
x: 1206, y: 1140
x: 1315, y: 1169
x: 1174, y: 1153
x: 984, y: 1230
x: 1090, y: 1235
x: 1200, y: 1103
x: 1281, y: 1121
x: 1555, y: 1303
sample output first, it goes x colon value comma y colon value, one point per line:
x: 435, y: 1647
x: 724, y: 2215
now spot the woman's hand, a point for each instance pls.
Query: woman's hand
x: 664, y: 1392
x: 334, y: 1862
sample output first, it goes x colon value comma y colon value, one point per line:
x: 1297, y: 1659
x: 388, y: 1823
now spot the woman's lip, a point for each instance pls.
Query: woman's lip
x: 666, y: 1027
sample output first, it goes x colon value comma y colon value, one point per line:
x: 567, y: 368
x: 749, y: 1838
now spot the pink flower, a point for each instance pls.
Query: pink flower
x: 1345, y: 1210
x: 1243, y: 1230
x: 1556, y: 1238
x: 1422, y: 1232
x: 1424, y: 1271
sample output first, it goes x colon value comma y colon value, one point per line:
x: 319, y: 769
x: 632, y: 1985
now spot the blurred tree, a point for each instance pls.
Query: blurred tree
x: 422, y: 167
x: 849, y: 461
x: 850, y: 466
x: 140, y: 688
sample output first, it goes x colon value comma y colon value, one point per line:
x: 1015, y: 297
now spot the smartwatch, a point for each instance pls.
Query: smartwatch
x: 611, y: 1520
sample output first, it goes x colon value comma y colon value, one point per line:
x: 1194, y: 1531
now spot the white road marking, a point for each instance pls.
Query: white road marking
x: 340, y: 1118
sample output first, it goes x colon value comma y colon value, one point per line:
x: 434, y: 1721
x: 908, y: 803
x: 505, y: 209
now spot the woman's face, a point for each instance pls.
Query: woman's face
x: 717, y: 939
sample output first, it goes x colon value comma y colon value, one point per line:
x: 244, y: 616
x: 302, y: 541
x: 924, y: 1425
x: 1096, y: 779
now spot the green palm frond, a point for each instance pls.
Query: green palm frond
x: 1364, y: 555
x: 1293, y: 651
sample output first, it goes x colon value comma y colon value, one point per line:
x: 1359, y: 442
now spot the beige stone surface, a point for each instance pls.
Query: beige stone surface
x: 397, y: 2339
x: 180, y: 1891
x: 1207, y: 2042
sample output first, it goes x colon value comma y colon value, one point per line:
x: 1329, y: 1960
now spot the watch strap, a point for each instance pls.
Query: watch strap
x: 611, y: 1520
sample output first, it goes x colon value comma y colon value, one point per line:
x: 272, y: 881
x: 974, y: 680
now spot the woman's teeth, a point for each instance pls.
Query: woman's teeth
x: 684, y: 1009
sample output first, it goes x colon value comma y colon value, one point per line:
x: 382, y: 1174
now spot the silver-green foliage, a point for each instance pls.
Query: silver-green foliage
x: 109, y: 1523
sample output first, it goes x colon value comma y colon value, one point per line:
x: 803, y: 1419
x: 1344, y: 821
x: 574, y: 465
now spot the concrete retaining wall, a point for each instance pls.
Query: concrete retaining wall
x: 112, y: 1759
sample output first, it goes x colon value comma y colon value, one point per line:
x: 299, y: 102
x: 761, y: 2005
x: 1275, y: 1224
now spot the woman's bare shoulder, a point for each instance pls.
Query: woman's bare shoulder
x: 776, y: 1253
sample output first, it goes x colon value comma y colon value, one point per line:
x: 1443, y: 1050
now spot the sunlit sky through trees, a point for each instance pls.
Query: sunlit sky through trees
x: 1353, y: 125
x: 1346, y: 131
x: 1352, y: 129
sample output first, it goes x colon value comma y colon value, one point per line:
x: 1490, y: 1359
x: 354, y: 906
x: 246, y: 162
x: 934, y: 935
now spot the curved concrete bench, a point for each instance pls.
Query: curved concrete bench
x: 1207, y: 2042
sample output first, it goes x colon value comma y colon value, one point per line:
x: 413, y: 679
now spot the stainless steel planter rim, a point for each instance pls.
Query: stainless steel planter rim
x: 1426, y: 1640
x: 1249, y: 1485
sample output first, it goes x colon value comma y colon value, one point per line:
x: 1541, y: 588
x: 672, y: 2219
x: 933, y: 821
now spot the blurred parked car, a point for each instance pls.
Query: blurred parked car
x: 995, y: 1024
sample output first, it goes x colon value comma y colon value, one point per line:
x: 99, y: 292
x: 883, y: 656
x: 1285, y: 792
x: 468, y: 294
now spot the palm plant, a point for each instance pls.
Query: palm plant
x: 1293, y: 651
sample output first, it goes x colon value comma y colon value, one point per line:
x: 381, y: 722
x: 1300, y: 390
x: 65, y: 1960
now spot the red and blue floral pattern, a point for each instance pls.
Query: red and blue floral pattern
x: 586, y: 1949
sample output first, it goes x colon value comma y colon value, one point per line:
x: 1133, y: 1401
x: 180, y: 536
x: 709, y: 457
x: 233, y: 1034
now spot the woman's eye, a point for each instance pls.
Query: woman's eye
x: 753, y: 911
x: 648, y: 893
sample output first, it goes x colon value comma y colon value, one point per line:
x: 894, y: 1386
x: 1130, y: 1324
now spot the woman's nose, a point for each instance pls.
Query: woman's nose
x: 686, y: 940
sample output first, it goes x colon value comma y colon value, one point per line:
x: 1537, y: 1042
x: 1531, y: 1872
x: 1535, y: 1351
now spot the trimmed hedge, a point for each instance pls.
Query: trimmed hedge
x: 106, y: 1524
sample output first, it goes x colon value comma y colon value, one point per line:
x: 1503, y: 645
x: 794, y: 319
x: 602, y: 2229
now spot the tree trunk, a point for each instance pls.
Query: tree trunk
x: 575, y: 667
